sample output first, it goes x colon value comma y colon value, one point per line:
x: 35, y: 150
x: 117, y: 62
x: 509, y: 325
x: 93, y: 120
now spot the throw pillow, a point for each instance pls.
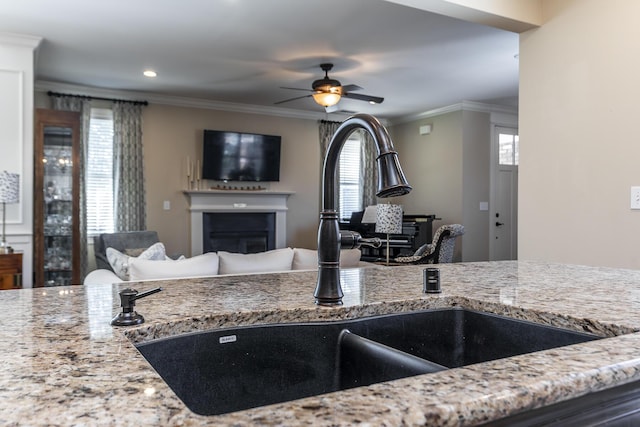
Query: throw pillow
x: 262, y: 262
x: 197, y: 266
x: 120, y: 262
x: 134, y: 251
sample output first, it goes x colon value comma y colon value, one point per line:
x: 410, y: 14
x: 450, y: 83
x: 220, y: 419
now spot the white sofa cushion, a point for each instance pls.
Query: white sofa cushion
x: 120, y: 262
x: 197, y: 266
x: 307, y: 259
x: 101, y: 276
x: 274, y: 260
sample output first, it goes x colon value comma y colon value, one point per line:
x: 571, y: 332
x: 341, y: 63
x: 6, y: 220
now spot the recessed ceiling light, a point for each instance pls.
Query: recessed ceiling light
x: 150, y: 73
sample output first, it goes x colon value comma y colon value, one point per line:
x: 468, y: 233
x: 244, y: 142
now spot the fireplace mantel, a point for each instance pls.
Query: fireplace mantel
x: 240, y: 201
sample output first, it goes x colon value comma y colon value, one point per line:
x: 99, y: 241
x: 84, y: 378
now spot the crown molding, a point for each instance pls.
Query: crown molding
x: 461, y: 106
x: 154, y: 98
x: 22, y: 40
x: 178, y: 101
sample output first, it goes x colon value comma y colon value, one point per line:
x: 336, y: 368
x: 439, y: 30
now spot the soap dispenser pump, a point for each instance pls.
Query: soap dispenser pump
x: 128, y: 316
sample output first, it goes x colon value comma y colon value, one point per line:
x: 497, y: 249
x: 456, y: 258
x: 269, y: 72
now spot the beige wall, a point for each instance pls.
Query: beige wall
x: 578, y: 124
x: 449, y: 172
x: 173, y: 133
x: 433, y: 166
x: 476, y: 167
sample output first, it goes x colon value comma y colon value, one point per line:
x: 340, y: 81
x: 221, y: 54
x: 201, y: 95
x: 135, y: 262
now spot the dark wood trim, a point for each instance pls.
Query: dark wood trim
x: 71, y: 120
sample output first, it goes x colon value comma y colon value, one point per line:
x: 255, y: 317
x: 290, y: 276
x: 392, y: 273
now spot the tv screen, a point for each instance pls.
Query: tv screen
x: 235, y: 156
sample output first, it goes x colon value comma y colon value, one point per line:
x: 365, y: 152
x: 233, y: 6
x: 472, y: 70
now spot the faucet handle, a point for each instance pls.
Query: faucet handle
x: 352, y: 240
x: 373, y: 242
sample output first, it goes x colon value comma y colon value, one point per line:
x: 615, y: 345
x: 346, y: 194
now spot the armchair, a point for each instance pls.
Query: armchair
x: 438, y: 252
x: 123, y: 242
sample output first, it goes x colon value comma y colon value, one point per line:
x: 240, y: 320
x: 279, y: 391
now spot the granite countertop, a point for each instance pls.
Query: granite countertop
x: 63, y: 364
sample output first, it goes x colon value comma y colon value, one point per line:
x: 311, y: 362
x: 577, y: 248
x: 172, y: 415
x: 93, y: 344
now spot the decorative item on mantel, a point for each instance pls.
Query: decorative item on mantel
x: 389, y: 221
x: 9, y: 193
x: 193, y: 174
x: 243, y: 188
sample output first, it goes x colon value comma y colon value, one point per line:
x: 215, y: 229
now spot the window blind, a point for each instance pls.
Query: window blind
x: 350, y: 194
x: 99, y: 173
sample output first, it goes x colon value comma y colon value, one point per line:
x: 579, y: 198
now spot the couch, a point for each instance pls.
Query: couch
x: 153, y: 264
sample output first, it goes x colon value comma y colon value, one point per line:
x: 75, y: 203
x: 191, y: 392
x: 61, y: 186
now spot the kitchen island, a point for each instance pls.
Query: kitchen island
x: 63, y: 364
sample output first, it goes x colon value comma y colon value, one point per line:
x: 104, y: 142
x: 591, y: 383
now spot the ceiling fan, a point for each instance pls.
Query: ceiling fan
x: 327, y: 92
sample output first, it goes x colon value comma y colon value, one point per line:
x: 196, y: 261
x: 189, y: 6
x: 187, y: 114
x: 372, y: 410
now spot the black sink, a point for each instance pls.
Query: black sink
x: 226, y: 370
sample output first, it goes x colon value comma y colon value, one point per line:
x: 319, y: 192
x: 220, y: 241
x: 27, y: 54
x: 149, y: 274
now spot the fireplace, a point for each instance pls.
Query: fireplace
x: 237, y: 204
x: 238, y: 232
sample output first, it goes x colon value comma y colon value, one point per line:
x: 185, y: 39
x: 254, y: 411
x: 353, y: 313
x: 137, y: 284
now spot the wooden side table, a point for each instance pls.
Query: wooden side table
x: 10, y: 271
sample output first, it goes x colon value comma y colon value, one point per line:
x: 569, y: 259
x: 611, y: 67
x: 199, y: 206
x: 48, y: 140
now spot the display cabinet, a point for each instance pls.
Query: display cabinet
x: 56, y: 189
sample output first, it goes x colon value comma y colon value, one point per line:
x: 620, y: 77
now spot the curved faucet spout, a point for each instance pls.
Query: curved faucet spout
x: 391, y: 182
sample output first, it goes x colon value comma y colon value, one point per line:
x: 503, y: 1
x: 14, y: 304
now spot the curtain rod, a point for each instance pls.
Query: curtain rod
x: 50, y: 93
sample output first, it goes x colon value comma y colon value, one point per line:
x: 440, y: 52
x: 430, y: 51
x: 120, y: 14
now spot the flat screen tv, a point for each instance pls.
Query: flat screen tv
x: 235, y: 156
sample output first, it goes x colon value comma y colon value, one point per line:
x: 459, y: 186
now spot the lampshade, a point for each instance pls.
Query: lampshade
x: 9, y: 187
x: 326, y: 99
x: 389, y: 219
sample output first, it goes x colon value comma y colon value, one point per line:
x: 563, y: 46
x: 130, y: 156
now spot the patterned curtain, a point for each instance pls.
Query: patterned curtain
x: 327, y: 129
x: 128, y: 174
x: 83, y: 106
x: 368, y: 170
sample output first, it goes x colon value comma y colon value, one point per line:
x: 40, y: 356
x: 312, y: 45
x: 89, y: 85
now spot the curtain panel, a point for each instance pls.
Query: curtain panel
x: 83, y: 106
x: 326, y: 131
x: 128, y: 173
x: 368, y: 171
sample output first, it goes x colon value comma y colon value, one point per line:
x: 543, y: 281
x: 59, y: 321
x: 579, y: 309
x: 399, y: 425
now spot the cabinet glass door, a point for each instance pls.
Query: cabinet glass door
x: 56, y: 189
x: 58, y: 218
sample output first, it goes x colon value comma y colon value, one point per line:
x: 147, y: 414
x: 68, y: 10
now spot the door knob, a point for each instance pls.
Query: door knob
x: 498, y: 224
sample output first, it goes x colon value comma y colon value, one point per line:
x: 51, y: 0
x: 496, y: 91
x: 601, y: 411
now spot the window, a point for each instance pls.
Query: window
x: 350, y: 194
x: 508, y: 148
x: 99, y: 173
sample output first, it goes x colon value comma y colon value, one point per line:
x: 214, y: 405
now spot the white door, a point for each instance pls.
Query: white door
x: 504, y: 213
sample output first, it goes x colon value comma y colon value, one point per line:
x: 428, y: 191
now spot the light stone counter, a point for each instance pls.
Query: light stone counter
x: 63, y: 364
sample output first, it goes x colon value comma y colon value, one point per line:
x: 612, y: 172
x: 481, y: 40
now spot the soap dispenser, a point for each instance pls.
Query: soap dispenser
x: 128, y: 316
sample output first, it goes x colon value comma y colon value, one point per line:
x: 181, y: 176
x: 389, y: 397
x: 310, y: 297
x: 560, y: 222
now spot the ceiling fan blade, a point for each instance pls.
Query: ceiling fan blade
x: 292, y: 99
x: 349, y: 88
x: 360, y: 97
x: 296, y: 88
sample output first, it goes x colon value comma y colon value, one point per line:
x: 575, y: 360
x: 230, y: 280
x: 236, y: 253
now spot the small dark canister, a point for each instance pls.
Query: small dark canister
x: 431, y: 281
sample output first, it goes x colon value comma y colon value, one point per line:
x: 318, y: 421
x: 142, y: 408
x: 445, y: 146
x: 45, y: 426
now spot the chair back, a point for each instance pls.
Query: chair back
x: 121, y: 241
x: 445, y: 238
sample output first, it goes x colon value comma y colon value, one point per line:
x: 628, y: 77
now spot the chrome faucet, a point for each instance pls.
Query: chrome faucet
x: 391, y: 182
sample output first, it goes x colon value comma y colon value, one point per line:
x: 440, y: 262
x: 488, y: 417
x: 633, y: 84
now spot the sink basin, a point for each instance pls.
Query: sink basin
x: 226, y: 370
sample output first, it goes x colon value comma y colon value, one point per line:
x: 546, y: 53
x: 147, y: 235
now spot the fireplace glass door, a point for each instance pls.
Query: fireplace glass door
x: 241, y: 233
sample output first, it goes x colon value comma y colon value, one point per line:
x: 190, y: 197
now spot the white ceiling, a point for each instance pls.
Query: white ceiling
x: 243, y: 51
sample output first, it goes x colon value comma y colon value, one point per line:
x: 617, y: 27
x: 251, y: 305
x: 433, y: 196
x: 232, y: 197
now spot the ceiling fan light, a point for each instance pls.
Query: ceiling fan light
x: 326, y: 99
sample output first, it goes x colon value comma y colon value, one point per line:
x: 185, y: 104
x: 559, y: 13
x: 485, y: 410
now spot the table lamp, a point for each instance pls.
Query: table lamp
x: 9, y: 193
x: 389, y: 221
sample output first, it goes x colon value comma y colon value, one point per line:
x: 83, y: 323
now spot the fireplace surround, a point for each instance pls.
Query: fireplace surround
x: 202, y: 202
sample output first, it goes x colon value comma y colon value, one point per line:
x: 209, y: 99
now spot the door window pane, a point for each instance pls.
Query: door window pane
x: 508, y: 148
